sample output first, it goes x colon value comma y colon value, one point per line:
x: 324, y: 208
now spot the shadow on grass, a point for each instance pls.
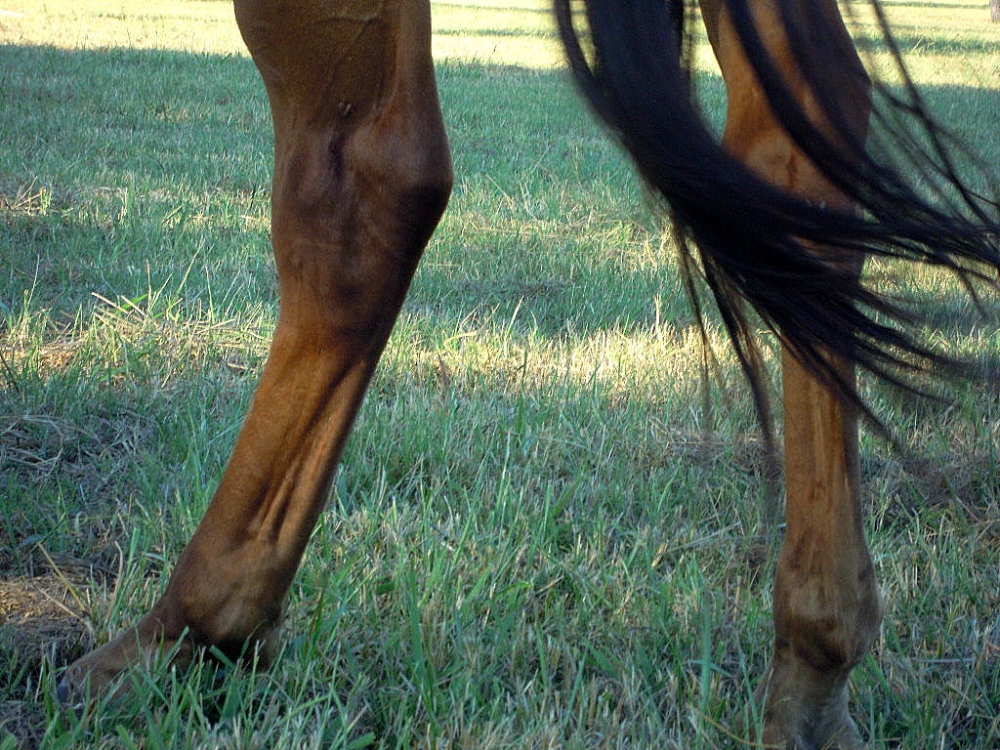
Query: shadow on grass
x: 102, y: 149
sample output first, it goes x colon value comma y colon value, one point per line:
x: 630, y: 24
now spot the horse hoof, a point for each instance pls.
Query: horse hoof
x: 65, y: 693
x: 102, y: 672
x: 94, y: 675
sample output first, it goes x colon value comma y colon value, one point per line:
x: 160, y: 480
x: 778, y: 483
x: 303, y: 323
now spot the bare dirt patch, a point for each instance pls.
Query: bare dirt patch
x: 39, y: 620
x: 39, y: 616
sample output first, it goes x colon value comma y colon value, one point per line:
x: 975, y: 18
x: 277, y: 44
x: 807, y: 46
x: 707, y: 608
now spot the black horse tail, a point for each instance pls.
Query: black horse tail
x: 746, y: 237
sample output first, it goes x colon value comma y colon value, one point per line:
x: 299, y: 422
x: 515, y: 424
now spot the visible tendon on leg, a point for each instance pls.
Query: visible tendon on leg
x: 362, y: 174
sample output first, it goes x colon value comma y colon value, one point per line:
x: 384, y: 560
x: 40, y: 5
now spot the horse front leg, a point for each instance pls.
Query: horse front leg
x: 362, y: 175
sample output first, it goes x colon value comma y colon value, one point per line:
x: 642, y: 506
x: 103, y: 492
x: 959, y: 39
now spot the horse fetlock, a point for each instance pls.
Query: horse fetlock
x: 827, y: 621
x: 229, y: 602
x: 235, y: 626
x: 824, y: 625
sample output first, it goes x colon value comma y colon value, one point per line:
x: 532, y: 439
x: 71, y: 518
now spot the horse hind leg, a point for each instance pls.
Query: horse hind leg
x: 362, y: 174
x: 826, y: 606
x: 827, y: 609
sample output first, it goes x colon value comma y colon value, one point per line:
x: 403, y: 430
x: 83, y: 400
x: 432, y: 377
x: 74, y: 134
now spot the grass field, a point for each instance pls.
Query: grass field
x: 546, y: 533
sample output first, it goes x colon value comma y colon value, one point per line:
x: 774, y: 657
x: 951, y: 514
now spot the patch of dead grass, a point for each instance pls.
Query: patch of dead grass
x: 40, y: 619
x: 40, y: 616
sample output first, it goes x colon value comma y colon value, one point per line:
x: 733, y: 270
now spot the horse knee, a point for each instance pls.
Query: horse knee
x: 362, y: 169
x: 332, y: 181
x: 403, y: 166
x: 352, y: 212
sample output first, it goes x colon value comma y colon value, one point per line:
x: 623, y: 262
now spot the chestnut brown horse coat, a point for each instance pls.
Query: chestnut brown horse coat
x: 778, y: 218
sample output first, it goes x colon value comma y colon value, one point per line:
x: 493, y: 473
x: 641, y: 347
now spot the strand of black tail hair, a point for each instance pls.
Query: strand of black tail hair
x: 830, y: 315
